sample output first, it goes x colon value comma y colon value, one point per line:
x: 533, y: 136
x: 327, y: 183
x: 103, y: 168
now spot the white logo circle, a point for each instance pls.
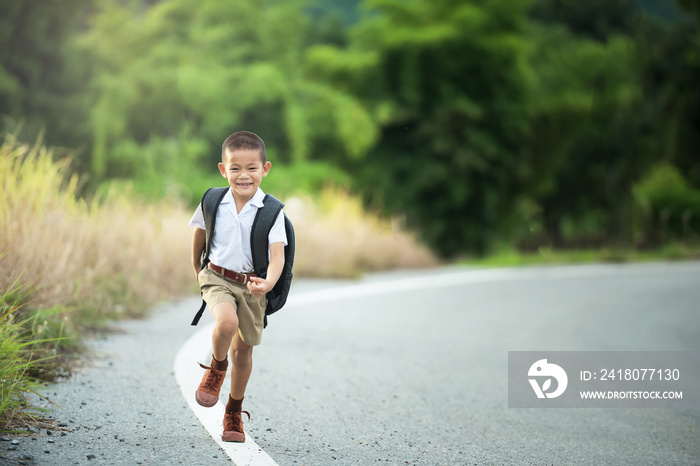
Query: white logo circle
x: 542, y: 368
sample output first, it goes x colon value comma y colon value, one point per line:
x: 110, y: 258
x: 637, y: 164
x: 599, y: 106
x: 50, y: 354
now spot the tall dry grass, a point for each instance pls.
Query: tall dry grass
x: 108, y: 256
x: 337, y: 237
x: 67, y: 264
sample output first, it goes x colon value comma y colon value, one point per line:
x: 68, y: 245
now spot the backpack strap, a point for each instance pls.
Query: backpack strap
x: 210, y: 205
x: 264, y: 220
x: 199, y: 313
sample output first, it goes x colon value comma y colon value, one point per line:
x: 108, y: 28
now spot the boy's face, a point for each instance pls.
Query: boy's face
x: 244, y: 170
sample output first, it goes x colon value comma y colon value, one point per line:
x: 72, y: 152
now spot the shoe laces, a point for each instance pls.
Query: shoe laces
x: 214, y: 377
x: 232, y: 421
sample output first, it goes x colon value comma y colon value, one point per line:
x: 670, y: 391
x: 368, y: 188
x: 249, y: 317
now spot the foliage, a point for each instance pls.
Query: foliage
x: 447, y: 83
x: 174, y: 80
x: 557, y: 120
x: 596, y: 19
x: 671, y: 80
x: 668, y: 208
x: 17, y: 361
x: 597, y: 121
x: 510, y: 257
x: 587, y: 142
x: 42, y: 78
x: 527, y: 122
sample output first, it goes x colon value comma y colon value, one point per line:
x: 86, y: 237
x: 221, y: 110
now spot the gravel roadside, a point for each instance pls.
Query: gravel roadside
x: 124, y: 407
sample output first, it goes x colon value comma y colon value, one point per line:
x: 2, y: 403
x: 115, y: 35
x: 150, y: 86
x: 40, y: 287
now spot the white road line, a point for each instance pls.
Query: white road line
x: 198, y: 347
x: 188, y: 374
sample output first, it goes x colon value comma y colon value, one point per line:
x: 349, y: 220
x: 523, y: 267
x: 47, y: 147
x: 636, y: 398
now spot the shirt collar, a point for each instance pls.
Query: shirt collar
x: 228, y: 197
x: 256, y: 200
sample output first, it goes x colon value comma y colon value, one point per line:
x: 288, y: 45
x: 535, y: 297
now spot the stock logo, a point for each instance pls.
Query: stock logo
x: 544, y: 371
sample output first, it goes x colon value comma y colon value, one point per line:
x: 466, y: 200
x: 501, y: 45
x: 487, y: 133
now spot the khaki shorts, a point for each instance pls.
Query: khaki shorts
x: 250, y: 310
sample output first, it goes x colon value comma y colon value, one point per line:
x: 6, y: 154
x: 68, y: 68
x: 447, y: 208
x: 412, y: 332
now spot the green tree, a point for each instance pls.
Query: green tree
x: 447, y: 83
x: 587, y: 146
x: 42, y: 76
x: 597, y: 19
x: 610, y: 105
x: 674, y: 70
x: 173, y: 80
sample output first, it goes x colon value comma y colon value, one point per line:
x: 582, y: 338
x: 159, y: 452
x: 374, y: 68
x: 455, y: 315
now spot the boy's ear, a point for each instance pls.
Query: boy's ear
x: 266, y: 168
x: 222, y: 170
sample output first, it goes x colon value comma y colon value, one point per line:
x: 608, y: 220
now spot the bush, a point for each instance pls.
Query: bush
x: 667, y: 208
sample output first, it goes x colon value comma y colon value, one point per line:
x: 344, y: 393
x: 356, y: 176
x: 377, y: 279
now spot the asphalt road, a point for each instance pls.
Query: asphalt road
x: 400, y: 375
x: 124, y: 406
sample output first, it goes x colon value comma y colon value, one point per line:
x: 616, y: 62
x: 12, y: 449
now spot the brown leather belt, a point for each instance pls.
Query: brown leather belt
x: 241, y: 278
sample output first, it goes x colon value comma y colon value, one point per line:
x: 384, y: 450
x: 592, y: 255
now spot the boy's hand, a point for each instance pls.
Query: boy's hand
x: 199, y: 238
x: 259, y: 286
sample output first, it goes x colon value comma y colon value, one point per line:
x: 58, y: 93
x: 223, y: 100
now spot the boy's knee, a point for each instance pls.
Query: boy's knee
x: 242, y: 357
x: 226, y: 319
x: 227, y: 326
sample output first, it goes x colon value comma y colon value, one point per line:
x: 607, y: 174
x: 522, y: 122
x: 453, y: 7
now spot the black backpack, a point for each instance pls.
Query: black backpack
x: 264, y: 219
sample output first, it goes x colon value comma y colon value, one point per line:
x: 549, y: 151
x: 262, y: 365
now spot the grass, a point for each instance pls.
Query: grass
x: 22, y: 359
x: 70, y: 265
x: 509, y: 257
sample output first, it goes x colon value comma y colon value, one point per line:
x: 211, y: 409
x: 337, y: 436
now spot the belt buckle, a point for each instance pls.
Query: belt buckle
x: 245, y: 278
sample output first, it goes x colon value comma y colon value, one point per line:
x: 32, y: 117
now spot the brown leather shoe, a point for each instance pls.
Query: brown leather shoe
x: 233, y: 427
x: 207, y: 393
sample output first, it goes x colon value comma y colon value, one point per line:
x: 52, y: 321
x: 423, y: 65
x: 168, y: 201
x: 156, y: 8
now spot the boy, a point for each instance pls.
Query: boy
x: 235, y: 295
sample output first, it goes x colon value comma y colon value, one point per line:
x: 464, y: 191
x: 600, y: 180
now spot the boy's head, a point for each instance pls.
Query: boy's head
x: 243, y: 140
x: 244, y: 164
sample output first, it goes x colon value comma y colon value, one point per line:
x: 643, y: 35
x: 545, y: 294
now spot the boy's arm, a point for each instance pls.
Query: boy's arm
x: 199, y: 238
x: 260, y: 286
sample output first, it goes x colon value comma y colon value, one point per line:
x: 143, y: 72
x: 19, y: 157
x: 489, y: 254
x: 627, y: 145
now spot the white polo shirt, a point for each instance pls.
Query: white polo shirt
x: 230, y: 246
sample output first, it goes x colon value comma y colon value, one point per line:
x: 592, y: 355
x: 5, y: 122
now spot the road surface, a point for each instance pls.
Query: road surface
x: 399, y: 368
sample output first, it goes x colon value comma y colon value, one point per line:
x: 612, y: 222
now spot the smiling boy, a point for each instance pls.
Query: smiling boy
x: 235, y: 295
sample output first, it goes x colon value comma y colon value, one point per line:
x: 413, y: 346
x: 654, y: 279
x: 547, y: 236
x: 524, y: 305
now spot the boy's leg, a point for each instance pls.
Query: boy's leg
x: 242, y: 359
x: 242, y: 366
x: 225, y: 327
